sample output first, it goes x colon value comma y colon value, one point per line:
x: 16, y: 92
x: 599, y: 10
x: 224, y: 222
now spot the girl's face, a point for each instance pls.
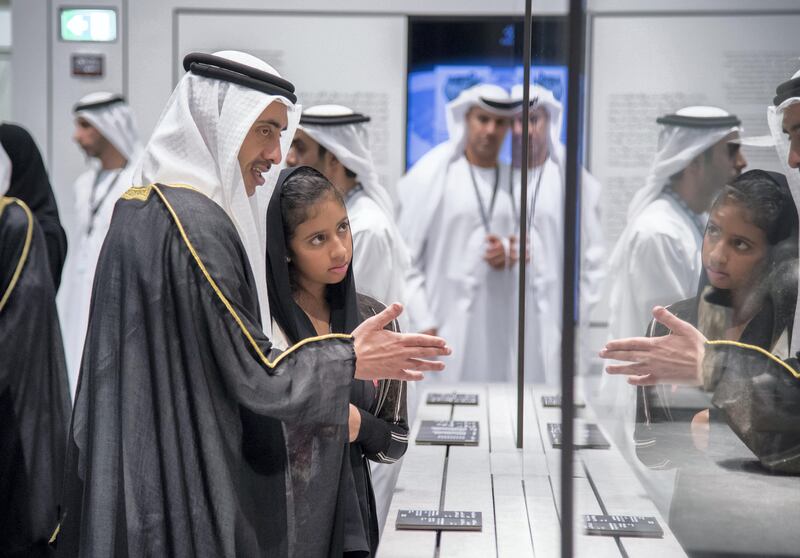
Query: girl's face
x: 321, y: 248
x: 734, y: 249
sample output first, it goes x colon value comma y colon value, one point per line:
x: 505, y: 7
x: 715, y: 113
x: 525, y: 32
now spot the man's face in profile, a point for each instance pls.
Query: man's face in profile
x: 91, y: 141
x: 261, y: 147
x: 304, y: 152
x: 791, y: 127
x: 722, y: 164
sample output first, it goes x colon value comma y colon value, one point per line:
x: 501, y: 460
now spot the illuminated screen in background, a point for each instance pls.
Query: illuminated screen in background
x: 448, y: 56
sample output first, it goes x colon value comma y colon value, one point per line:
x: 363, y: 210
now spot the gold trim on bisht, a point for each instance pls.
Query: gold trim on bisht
x: 140, y: 193
x: 25, y: 249
x: 758, y: 349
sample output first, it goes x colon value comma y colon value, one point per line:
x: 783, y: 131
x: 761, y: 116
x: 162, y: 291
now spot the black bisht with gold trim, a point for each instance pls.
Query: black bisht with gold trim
x: 177, y: 446
x: 34, y: 390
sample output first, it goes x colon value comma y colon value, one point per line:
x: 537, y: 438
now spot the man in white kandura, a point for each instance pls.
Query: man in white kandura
x: 334, y: 140
x: 545, y: 226
x: 456, y: 217
x: 106, y: 132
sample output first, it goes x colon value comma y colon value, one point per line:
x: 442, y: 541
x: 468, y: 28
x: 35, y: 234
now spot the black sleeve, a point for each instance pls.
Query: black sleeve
x: 56, y: 240
x: 758, y: 395
x: 384, y: 434
x: 384, y: 428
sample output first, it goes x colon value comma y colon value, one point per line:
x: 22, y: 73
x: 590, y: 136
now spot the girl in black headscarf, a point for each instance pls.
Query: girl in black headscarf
x: 29, y: 183
x: 312, y: 292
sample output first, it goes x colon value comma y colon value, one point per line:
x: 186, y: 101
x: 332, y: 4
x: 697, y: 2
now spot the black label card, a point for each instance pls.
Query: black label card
x: 622, y: 526
x: 439, y: 520
x: 555, y: 401
x: 587, y: 436
x: 448, y: 432
x: 452, y: 399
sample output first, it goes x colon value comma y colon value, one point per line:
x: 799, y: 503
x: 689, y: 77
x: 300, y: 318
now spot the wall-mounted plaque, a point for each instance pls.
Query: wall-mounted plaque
x: 87, y: 65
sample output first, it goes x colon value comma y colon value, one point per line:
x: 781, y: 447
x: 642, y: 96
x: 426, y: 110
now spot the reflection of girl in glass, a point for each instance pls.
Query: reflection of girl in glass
x: 312, y: 292
x: 752, y: 231
x: 747, y: 292
x: 746, y: 302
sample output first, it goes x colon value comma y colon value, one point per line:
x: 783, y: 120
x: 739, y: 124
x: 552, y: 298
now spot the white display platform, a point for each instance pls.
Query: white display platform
x: 516, y: 490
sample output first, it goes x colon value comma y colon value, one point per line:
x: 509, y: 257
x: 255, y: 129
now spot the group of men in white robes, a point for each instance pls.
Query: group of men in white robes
x: 459, y: 210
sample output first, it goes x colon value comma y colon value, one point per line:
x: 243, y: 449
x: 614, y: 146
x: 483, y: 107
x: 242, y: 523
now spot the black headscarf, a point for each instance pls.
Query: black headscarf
x: 30, y: 183
x: 290, y: 317
x: 350, y: 536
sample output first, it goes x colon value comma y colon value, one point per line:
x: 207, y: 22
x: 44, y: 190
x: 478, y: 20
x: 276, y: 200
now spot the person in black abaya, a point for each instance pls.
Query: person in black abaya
x: 312, y: 292
x: 29, y: 183
x: 34, y: 393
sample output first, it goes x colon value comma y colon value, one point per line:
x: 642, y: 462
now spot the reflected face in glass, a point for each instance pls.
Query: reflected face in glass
x: 734, y: 249
x: 321, y: 247
x: 725, y: 162
x: 485, y: 134
x: 91, y: 141
x: 304, y: 152
x: 261, y: 147
x: 791, y: 127
x: 538, y: 130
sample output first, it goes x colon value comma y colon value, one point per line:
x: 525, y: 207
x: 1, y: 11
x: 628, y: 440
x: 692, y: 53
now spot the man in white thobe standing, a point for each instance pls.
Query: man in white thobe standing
x: 106, y: 132
x: 456, y: 217
x: 545, y: 226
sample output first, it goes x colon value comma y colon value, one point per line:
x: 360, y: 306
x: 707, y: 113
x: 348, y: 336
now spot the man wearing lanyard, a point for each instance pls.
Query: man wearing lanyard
x: 545, y: 226
x: 456, y: 216
x: 105, y: 131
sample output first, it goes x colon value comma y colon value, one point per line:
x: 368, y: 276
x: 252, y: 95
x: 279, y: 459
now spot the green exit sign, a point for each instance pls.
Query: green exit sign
x: 89, y: 25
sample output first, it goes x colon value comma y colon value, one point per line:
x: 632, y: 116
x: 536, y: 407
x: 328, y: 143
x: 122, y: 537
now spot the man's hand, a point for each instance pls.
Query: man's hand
x: 354, y: 422
x: 513, y: 249
x: 495, y: 254
x: 383, y: 354
x: 673, y: 359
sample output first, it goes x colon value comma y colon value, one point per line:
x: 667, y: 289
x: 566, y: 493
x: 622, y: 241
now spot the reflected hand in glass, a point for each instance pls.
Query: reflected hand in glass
x: 672, y: 359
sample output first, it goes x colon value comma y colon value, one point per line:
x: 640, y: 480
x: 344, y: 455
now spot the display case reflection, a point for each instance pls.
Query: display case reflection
x: 702, y: 398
